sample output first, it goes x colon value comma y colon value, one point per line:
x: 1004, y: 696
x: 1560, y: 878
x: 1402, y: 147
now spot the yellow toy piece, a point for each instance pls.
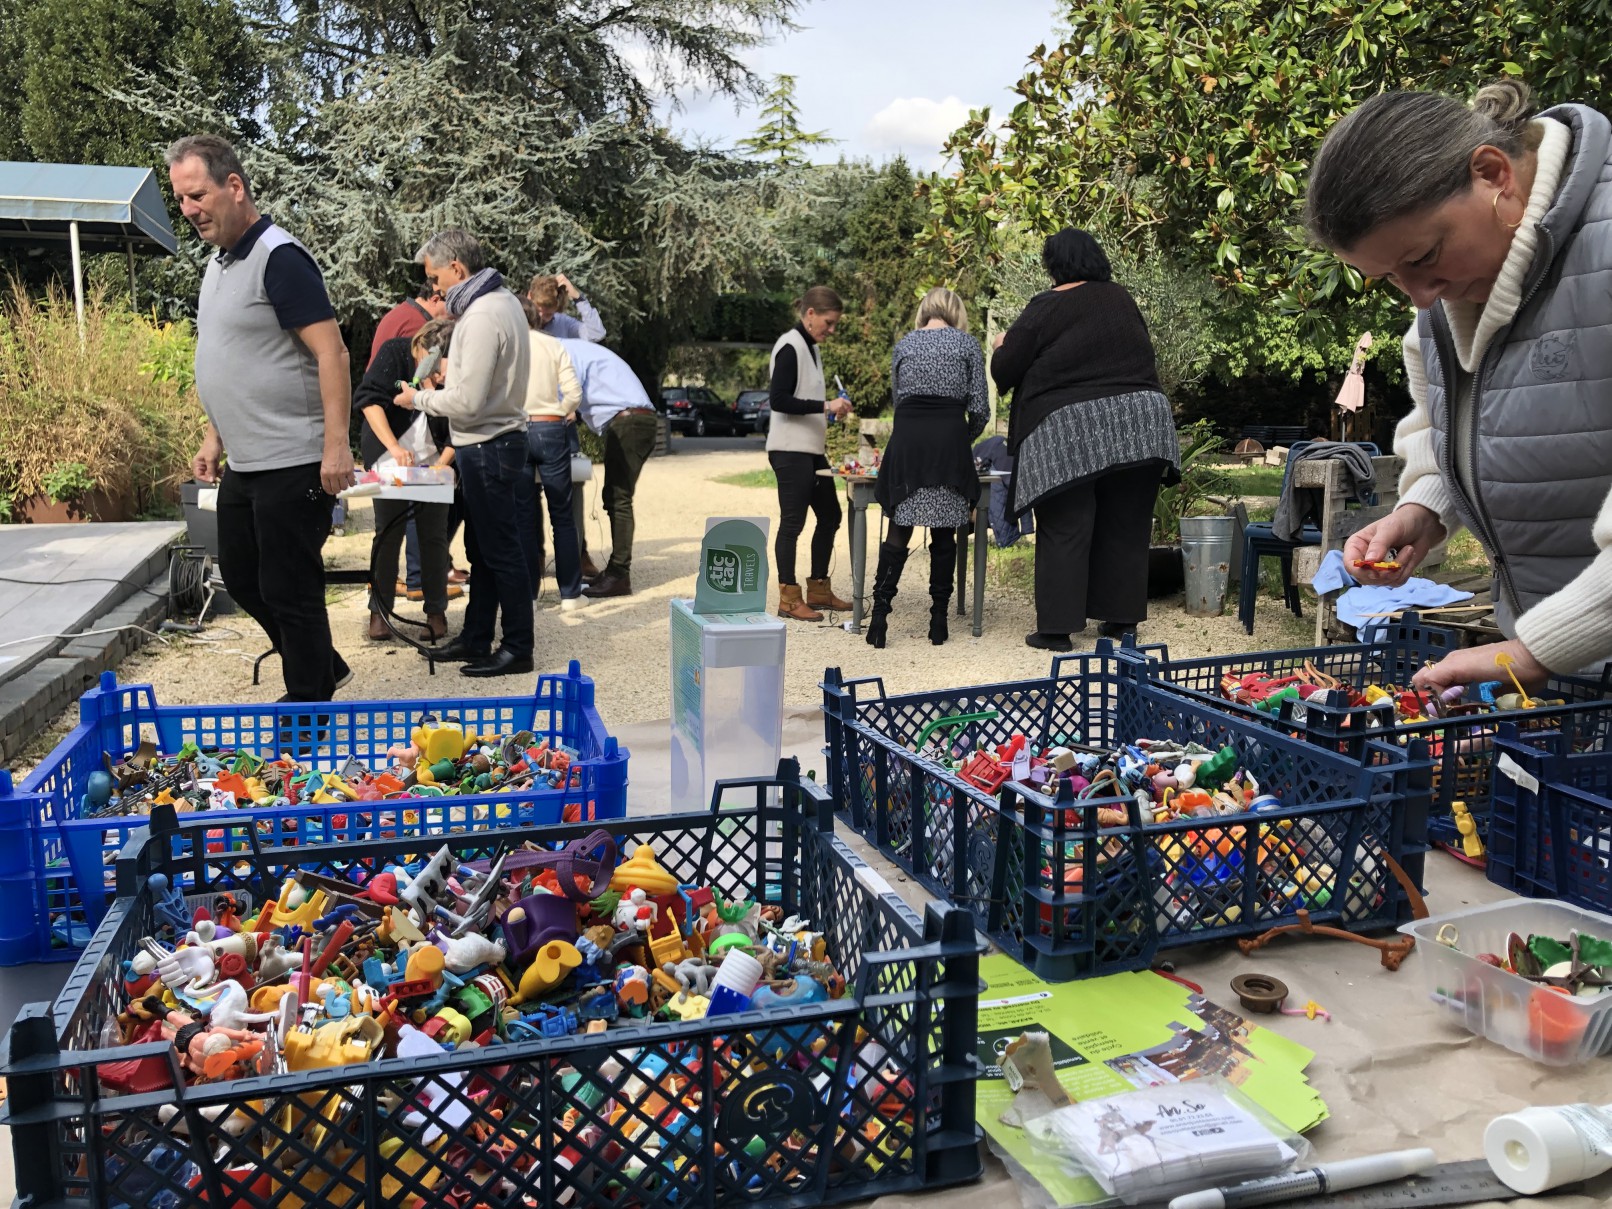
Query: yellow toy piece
x: 1503, y: 660
x: 1468, y: 827
x: 549, y: 968
x: 339, y: 1043
x: 458, y: 1028
x: 644, y: 871
x: 425, y: 964
x: 311, y: 906
x: 397, y: 928
x: 668, y: 948
x: 1375, y: 694
x: 441, y: 741
x: 689, y: 1007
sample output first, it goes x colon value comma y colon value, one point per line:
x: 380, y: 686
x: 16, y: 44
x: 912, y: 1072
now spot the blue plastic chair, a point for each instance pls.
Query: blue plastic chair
x: 1260, y: 541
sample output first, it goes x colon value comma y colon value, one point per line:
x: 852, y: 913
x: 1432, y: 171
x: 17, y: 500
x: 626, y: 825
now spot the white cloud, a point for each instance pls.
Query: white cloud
x: 917, y: 126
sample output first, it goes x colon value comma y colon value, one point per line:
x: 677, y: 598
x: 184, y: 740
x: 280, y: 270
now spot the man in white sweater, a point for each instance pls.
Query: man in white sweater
x: 484, y: 401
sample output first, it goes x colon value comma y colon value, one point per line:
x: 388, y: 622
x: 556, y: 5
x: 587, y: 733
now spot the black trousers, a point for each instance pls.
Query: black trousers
x: 499, y: 514
x: 1091, y: 544
x: 802, y: 489
x: 629, y: 442
x: 272, y: 525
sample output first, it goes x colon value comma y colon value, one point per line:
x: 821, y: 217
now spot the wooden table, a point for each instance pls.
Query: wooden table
x: 859, y: 494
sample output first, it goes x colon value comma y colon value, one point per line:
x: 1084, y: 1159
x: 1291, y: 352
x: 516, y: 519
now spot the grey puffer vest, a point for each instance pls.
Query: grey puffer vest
x: 1541, y: 411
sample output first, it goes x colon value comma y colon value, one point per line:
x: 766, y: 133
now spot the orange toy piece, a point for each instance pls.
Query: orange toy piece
x: 235, y: 784
x: 1383, y: 564
x: 983, y: 771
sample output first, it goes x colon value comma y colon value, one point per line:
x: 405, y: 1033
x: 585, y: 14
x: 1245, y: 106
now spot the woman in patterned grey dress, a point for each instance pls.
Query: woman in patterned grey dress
x: 927, y: 478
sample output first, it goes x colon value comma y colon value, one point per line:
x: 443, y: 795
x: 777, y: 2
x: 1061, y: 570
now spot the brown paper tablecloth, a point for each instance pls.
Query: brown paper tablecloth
x: 1393, y: 1071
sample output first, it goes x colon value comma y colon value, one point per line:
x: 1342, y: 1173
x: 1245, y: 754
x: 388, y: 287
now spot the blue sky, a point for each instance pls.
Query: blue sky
x: 887, y: 77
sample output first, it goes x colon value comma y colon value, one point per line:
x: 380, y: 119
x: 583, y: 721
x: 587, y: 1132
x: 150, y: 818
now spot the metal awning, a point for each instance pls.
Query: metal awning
x: 93, y: 206
x: 116, y: 209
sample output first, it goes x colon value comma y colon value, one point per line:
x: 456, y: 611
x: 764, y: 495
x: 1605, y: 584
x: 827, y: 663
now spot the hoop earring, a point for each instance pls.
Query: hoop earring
x: 1495, y: 206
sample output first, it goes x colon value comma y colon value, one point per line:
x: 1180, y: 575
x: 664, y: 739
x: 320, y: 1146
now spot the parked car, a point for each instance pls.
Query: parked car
x: 752, y: 410
x: 698, y: 412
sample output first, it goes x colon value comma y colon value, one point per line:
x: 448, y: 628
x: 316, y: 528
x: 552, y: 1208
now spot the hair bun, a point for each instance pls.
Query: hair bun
x: 1508, y: 103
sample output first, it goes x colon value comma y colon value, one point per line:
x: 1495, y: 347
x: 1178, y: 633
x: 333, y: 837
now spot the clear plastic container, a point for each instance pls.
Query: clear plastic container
x: 727, y: 699
x: 1531, y: 1020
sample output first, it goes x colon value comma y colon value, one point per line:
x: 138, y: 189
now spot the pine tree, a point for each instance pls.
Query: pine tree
x: 779, y: 138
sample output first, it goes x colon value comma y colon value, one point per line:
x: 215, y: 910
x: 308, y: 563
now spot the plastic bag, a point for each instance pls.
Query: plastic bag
x: 1161, y: 1142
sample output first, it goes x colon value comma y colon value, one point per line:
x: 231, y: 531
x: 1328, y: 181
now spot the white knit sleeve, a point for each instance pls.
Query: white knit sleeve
x: 1571, y: 630
x: 1421, y: 483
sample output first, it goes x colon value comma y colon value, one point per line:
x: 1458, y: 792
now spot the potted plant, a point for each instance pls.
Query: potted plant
x: 1203, y: 490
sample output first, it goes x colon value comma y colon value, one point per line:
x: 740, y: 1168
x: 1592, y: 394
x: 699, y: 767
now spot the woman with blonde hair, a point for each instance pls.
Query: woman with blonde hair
x: 1496, y: 222
x: 927, y: 478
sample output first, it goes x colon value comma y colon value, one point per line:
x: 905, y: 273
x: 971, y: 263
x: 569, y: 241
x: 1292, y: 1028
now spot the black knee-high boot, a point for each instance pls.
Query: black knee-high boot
x: 942, y: 575
x: 892, y: 559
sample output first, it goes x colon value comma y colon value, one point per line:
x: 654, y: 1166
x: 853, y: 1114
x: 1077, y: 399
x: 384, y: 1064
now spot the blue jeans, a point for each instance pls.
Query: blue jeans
x: 500, y: 507
x: 548, y: 451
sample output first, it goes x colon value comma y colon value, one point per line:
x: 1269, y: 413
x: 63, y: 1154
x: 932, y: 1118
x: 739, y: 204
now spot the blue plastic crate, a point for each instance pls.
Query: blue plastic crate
x: 1072, y: 899
x: 69, y: 866
x: 1550, y: 832
x: 1461, y: 748
x: 254, y: 1143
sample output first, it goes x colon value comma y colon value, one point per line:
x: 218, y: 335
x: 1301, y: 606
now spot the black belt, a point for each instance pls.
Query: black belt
x: 631, y: 411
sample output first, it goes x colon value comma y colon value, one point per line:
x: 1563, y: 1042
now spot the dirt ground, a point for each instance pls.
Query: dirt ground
x: 622, y: 643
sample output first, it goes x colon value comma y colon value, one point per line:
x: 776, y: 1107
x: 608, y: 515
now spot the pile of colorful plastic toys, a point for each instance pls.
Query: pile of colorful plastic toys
x: 536, y: 943
x: 442, y: 760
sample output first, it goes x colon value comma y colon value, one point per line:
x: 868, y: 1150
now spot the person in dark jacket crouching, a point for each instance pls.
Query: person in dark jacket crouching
x: 1092, y: 436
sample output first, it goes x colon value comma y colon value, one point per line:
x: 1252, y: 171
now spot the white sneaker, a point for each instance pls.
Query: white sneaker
x: 570, y: 604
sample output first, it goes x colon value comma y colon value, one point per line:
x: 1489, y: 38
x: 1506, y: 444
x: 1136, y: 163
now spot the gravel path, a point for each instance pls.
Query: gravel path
x: 622, y: 643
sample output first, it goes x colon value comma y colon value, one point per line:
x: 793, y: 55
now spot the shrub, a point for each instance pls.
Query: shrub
x: 117, y: 414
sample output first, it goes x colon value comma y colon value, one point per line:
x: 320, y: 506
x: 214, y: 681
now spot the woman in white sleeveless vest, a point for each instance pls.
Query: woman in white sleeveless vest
x: 797, y: 447
x: 1498, y: 225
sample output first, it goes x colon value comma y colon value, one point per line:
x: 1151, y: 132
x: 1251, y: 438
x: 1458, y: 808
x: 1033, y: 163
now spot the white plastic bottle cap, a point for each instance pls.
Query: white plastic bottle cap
x: 740, y: 973
x: 1536, y: 1149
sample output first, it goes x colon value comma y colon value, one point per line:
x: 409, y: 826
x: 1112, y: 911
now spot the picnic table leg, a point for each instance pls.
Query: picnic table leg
x: 982, y: 513
x: 962, y: 568
x: 857, y: 498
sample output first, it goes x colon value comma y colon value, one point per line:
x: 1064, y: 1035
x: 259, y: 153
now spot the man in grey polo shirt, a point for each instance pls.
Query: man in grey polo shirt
x: 271, y: 370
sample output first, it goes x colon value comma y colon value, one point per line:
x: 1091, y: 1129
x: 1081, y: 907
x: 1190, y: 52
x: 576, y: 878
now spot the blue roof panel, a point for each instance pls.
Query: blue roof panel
x: 113, y: 206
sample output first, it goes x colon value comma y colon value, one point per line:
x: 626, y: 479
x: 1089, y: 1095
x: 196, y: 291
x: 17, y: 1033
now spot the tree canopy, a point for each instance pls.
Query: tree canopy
x: 1193, y: 124
x: 779, y: 139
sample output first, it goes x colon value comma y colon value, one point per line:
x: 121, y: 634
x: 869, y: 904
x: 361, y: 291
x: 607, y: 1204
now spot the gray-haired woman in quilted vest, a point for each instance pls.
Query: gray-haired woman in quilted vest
x: 1498, y: 225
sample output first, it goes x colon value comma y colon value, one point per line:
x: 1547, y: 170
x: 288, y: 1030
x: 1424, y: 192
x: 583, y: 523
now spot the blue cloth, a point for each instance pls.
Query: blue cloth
x: 1332, y: 574
x: 609, y: 385
x: 1354, y: 604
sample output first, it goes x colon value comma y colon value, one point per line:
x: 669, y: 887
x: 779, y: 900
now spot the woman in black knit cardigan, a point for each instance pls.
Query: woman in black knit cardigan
x: 1092, y: 436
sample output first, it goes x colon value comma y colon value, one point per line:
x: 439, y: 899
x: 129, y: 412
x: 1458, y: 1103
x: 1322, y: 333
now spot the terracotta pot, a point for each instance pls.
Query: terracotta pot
x: 96, y: 506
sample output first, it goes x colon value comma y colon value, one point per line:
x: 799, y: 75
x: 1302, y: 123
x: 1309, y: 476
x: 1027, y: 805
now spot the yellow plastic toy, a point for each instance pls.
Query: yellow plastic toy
x: 425, y: 964
x: 1503, y: 660
x: 689, y: 1007
x: 1468, y: 827
x: 310, y: 908
x: 441, y: 741
x: 339, y: 1043
x: 644, y: 871
x: 548, y: 969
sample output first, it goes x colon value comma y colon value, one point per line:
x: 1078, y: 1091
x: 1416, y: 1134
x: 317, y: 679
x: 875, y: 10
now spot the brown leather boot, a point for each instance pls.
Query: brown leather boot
x: 377, y: 628
x: 791, y: 605
x: 436, y: 627
x: 820, y: 595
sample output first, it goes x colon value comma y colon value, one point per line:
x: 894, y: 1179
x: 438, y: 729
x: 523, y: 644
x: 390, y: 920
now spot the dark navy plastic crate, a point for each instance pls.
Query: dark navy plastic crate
x: 69, y: 865
x: 1071, y: 899
x: 335, y: 1138
x: 1550, y: 832
x: 1461, y: 748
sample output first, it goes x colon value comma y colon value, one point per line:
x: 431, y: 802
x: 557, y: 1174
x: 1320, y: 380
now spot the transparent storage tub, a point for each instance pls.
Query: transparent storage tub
x: 1523, y: 1016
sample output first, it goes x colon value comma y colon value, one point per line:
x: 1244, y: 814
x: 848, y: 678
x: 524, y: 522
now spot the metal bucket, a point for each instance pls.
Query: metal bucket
x: 1206, y: 552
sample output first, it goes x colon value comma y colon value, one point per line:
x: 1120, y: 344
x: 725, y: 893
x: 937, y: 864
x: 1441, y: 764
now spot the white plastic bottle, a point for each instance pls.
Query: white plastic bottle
x: 1536, y: 1149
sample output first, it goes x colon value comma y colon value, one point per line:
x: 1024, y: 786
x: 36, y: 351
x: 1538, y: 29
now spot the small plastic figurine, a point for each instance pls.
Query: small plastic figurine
x: 1468, y: 827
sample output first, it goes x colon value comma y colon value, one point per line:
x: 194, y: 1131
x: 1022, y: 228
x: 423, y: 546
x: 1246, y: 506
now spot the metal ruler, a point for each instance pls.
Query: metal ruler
x: 1448, y: 1184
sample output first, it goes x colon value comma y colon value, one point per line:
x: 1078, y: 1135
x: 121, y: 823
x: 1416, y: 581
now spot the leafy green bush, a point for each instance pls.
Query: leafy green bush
x: 1205, y: 488
x: 116, y: 414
